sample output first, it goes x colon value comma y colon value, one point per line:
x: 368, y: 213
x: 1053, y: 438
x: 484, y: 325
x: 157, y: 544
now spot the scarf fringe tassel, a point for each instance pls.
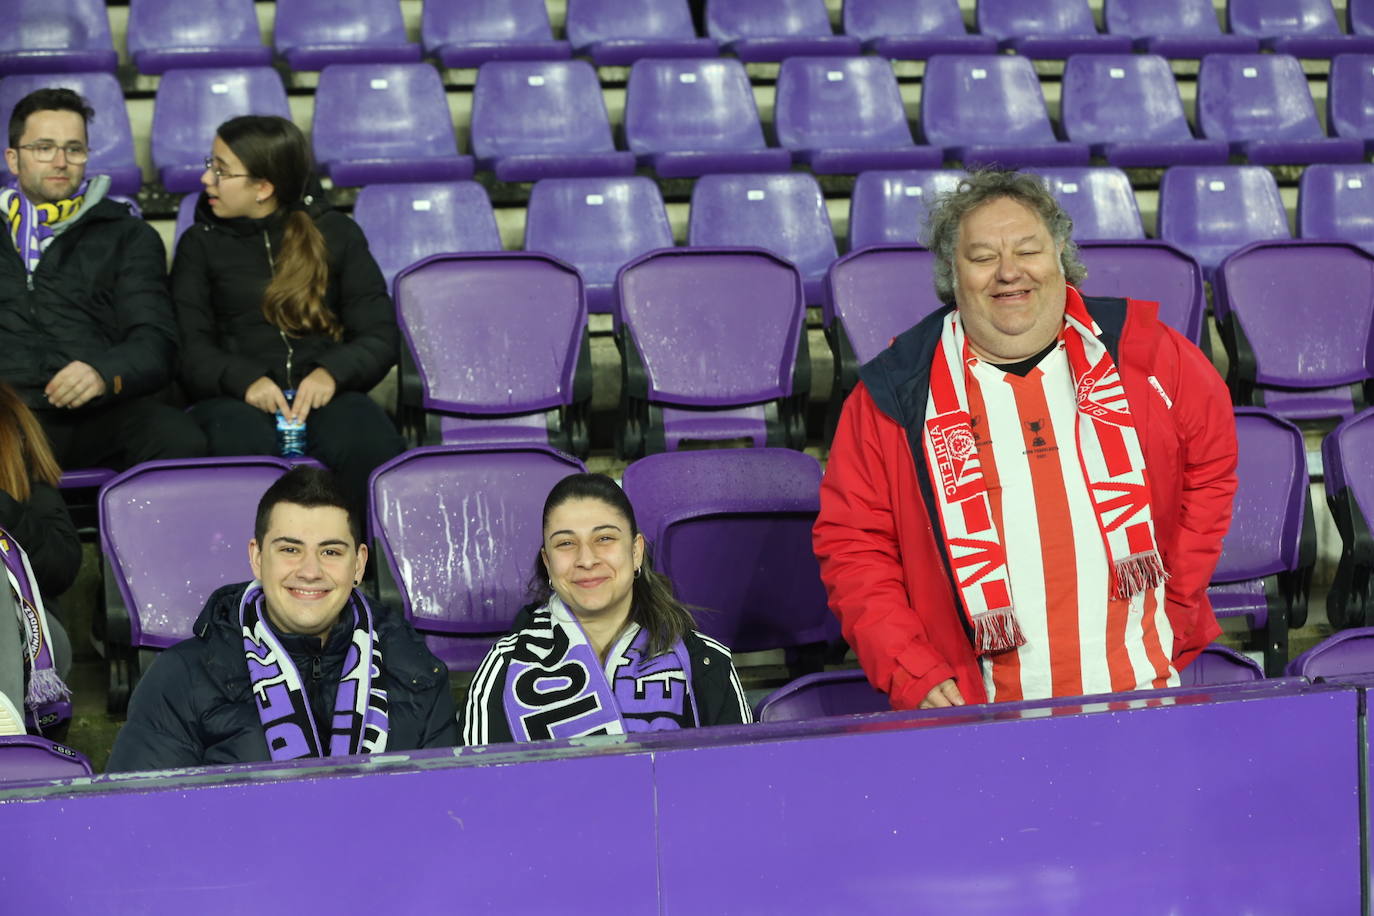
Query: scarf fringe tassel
x: 1138, y: 573
x: 996, y: 631
x: 45, y: 686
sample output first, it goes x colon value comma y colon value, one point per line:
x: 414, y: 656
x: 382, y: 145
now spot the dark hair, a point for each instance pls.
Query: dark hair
x: 652, y: 604
x: 984, y: 186
x: 307, y: 486
x: 25, y: 455
x: 46, y: 100
x: 273, y: 149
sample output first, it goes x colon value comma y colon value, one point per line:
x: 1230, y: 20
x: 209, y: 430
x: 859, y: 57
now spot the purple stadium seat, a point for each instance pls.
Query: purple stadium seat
x: 1099, y: 200
x: 1128, y: 108
x: 312, y: 34
x: 1338, y: 655
x: 405, y: 223
x: 1303, y: 28
x: 1209, y: 212
x: 598, y: 225
x: 186, y: 215
x: 33, y: 758
x: 1359, y: 17
x: 167, y: 34
x: 51, y: 36
x: 543, y: 119
x: 493, y: 346
x: 1151, y: 270
x: 845, y: 114
x: 731, y: 528
x: 771, y: 30
x: 889, y: 208
x: 385, y: 122
x: 1350, y: 495
x: 1350, y: 98
x: 1337, y: 202
x: 823, y: 693
x: 713, y: 348
x: 1261, y: 105
x: 784, y: 213
x: 685, y: 118
x: 988, y: 110
x: 192, y: 103
x: 1313, y: 368
x: 456, y: 530
x: 81, y: 478
x: 471, y: 32
x: 1174, y: 28
x: 616, y: 33
x: 1046, y: 28
x: 109, y: 135
x: 1267, y: 555
x: 1219, y: 665
x: 913, y: 31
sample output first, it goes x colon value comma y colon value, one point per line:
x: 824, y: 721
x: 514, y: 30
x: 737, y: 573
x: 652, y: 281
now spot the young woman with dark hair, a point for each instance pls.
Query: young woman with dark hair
x: 276, y: 293
x: 604, y: 648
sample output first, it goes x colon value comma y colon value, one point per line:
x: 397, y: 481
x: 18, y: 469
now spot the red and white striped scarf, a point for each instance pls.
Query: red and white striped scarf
x: 1108, y: 451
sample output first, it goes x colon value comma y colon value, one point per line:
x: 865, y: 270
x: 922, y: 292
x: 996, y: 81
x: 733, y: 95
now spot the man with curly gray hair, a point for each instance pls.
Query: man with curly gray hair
x: 1027, y: 492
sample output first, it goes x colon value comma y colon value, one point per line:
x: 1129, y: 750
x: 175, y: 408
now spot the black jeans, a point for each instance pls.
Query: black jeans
x: 121, y: 434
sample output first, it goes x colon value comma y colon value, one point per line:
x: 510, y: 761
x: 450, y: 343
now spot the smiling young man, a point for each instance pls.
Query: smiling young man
x: 1027, y: 492
x: 84, y: 309
x: 296, y: 663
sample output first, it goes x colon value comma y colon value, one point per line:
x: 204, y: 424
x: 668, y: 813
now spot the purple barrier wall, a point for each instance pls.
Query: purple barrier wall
x: 1185, y: 802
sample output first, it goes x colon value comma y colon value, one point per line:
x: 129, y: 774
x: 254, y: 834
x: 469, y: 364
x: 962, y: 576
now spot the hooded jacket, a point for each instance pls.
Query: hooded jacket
x: 195, y: 704
x: 877, y: 536
x: 219, y: 274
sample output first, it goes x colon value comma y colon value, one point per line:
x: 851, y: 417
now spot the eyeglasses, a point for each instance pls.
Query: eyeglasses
x: 219, y: 173
x: 47, y: 152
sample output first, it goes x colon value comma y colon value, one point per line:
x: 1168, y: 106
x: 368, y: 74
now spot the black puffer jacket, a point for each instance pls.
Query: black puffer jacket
x: 195, y: 706
x: 222, y: 267
x: 99, y: 295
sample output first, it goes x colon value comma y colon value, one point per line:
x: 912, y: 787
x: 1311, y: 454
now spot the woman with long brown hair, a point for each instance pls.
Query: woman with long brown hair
x: 282, y: 309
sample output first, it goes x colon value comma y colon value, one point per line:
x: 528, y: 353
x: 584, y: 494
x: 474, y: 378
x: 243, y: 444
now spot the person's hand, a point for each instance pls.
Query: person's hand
x: 315, y: 390
x: 943, y: 694
x: 267, y: 397
x: 74, y: 385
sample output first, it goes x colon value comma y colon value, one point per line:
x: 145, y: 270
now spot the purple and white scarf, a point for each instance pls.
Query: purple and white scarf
x: 32, y: 226
x: 48, y: 700
x: 359, y: 724
x: 556, y: 688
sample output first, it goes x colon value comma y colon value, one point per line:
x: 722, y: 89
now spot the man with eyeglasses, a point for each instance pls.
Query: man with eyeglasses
x: 86, y: 321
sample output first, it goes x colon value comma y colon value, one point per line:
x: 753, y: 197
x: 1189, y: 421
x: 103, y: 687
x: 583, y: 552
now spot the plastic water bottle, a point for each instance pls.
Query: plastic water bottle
x: 290, y: 433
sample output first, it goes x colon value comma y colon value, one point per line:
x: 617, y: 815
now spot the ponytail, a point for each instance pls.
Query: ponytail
x: 294, y: 300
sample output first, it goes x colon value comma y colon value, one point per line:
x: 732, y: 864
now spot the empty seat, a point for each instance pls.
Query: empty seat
x: 1337, y: 202
x: 54, y: 36
x: 1308, y: 363
x: 1174, y: 28
x: 1151, y: 270
x: 164, y: 34
x: 456, y: 531
x: 312, y: 34
x: 888, y: 208
x: 1261, y: 105
x: 598, y: 225
x: 1100, y: 201
x: 731, y: 528
x: 1209, y: 212
x: 902, y: 29
x: 1350, y: 98
x: 823, y: 693
x: 616, y: 33
x: 1338, y: 655
x: 543, y: 119
x: 109, y: 136
x: 33, y: 758
x: 1268, y: 552
x: 472, y: 32
x: 685, y: 118
x: 988, y: 110
x: 845, y: 114
x: 1304, y: 28
x: 408, y: 222
x: 385, y: 122
x: 1216, y: 664
x: 191, y: 104
x: 785, y: 214
x: 764, y: 30
x: 712, y: 348
x: 1128, y: 108
x: 1350, y: 495
x: 1046, y: 28
x: 1359, y: 17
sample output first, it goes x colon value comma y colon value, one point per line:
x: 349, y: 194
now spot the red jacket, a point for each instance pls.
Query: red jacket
x: 881, y: 554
